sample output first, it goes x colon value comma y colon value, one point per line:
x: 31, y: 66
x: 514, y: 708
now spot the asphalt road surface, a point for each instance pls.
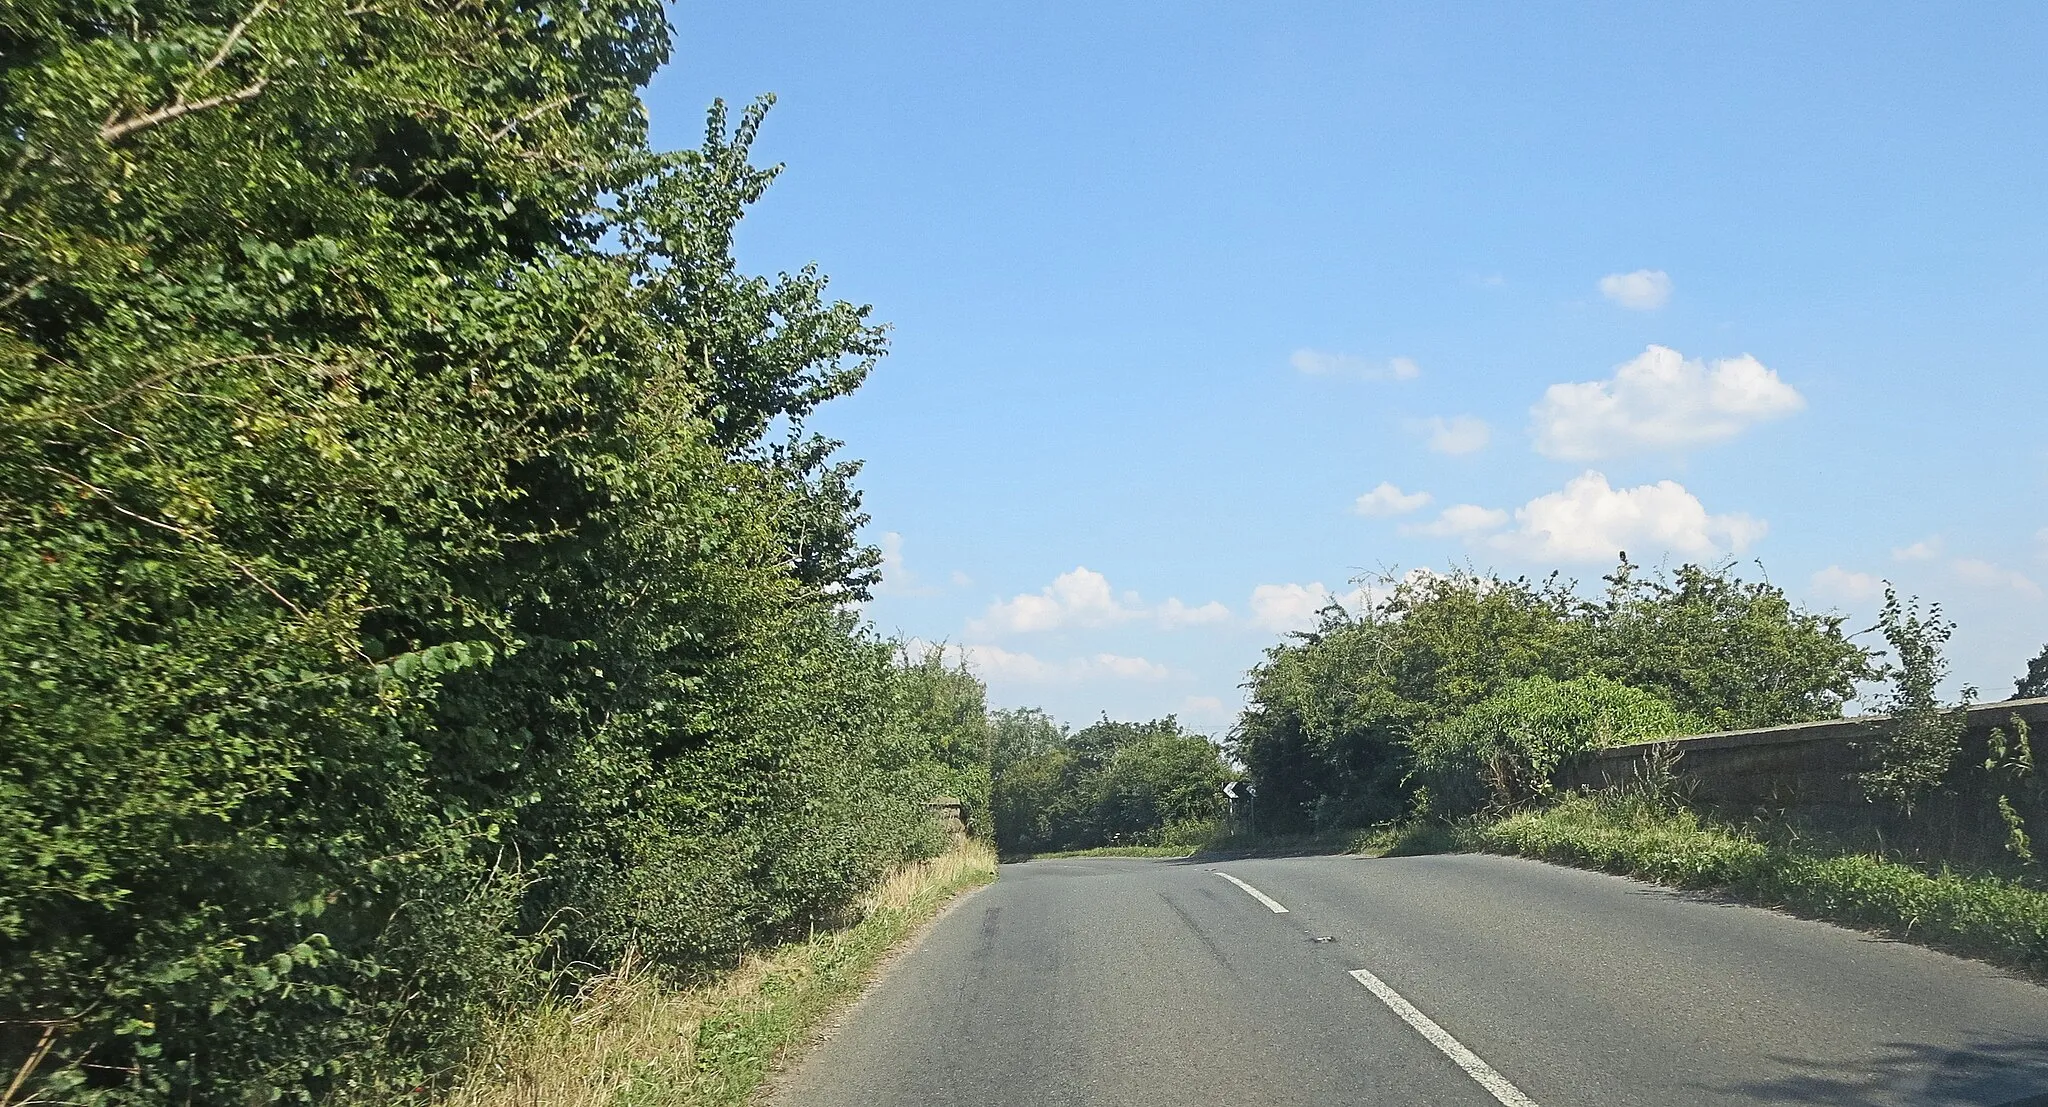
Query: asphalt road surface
x: 1468, y: 981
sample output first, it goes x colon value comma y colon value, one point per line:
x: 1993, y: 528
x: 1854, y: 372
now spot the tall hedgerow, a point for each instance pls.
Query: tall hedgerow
x: 1336, y: 716
x: 415, y: 577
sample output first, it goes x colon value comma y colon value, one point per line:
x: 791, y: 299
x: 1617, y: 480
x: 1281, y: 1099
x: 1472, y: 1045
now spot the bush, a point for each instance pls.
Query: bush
x: 1334, y: 713
x: 1503, y: 750
x: 1111, y: 783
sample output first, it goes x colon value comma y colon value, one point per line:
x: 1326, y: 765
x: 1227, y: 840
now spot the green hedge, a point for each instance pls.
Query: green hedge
x: 415, y: 578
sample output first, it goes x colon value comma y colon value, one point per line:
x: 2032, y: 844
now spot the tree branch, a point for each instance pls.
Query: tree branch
x: 115, y: 132
x: 226, y: 45
x: 213, y: 547
x: 558, y: 102
x: 8, y: 300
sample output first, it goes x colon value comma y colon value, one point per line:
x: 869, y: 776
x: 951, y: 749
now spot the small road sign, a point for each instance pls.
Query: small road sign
x: 1230, y: 789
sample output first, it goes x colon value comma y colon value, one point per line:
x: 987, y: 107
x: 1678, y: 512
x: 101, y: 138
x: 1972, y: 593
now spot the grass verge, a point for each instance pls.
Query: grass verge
x: 1979, y: 916
x: 631, y: 1040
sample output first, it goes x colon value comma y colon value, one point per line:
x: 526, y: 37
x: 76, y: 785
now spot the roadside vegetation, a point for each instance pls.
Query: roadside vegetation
x: 2001, y: 918
x: 630, y: 1037
x: 1454, y: 692
x: 420, y: 595
x: 1149, y: 789
x: 1435, y: 720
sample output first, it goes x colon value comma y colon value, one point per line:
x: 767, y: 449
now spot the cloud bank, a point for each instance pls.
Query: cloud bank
x: 1388, y: 499
x: 1590, y: 520
x: 1082, y: 597
x: 1659, y: 401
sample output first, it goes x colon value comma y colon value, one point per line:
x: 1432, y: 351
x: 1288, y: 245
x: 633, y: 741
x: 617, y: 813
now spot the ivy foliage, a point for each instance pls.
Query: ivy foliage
x: 415, y: 575
x: 1336, y: 716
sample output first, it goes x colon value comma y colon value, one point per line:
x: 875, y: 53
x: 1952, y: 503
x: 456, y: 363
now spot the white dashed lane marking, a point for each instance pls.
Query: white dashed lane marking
x: 1479, y: 1070
x: 1269, y: 901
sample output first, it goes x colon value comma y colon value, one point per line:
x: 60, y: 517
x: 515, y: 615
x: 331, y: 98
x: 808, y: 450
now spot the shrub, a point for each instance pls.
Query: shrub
x: 1503, y: 750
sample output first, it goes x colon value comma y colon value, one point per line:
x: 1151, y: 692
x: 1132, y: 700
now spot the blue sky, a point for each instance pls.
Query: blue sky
x: 1174, y: 286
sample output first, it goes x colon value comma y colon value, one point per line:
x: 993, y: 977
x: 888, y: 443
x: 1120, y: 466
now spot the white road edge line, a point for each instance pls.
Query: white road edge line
x: 1262, y: 897
x: 1475, y: 1068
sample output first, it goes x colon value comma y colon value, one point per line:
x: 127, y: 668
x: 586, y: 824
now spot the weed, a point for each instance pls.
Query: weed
x: 1999, y: 920
x: 633, y: 1039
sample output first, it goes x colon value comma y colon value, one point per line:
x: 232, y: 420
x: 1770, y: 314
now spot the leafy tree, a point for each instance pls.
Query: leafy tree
x: 944, y: 718
x: 415, y: 575
x: 1325, y: 734
x: 1037, y: 806
x: 1156, y: 779
x: 1108, y: 782
x: 1020, y: 734
x: 1735, y: 653
x: 1329, y: 731
x: 2035, y: 683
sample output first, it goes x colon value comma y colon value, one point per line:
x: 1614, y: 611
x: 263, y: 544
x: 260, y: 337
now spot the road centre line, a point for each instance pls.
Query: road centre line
x: 1479, y: 1070
x: 1262, y: 897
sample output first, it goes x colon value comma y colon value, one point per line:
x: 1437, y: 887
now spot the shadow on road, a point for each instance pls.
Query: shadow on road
x: 1992, y: 1073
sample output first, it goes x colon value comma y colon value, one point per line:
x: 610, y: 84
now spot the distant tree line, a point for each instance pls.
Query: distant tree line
x: 417, y: 585
x: 1111, y: 783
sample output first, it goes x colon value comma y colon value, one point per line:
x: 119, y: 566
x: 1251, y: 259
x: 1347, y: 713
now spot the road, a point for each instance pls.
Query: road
x: 1466, y: 981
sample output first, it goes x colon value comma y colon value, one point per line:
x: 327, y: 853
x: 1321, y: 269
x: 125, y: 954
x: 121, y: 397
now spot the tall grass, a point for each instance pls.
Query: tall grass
x: 630, y: 1039
x: 1995, y: 919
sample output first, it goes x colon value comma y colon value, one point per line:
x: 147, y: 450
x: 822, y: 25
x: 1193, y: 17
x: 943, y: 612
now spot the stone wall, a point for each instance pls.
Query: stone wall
x: 951, y: 815
x: 1807, y: 774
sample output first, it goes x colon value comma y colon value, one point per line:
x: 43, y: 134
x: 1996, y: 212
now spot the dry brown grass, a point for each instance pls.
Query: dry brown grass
x: 631, y: 1040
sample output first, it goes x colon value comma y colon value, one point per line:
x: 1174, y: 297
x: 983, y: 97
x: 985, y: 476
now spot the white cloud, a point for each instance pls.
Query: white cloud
x: 1174, y: 614
x: 1589, y: 520
x: 1284, y: 607
x: 897, y: 579
x: 1083, y: 598
x: 1987, y: 575
x: 1321, y: 363
x: 1388, y: 499
x: 1459, y: 521
x: 1846, y: 586
x: 1642, y: 290
x: 1459, y: 434
x: 997, y: 663
x: 1659, y: 401
x: 1204, y: 713
x: 1927, y: 549
x: 1078, y: 598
